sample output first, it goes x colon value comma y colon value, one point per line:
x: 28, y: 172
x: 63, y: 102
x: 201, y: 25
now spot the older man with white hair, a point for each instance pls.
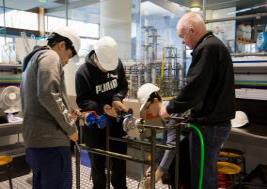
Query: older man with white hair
x: 209, y: 93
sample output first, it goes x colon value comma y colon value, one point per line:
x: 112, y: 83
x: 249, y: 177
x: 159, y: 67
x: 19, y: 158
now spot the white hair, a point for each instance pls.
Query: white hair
x: 192, y: 20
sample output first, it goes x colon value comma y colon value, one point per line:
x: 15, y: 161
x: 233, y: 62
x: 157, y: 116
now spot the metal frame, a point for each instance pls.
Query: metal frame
x: 152, y: 145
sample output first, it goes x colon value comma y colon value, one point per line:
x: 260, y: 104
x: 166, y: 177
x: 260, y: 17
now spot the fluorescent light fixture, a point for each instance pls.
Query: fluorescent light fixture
x: 195, y: 9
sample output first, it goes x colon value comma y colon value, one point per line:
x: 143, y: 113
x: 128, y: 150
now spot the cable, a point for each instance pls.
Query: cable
x: 202, y: 154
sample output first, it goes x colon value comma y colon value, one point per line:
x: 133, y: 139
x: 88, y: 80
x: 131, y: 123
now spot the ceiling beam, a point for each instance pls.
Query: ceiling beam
x: 167, y: 5
x: 72, y: 5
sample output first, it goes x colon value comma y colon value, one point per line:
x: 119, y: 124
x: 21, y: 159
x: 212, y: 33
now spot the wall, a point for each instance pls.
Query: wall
x: 115, y: 21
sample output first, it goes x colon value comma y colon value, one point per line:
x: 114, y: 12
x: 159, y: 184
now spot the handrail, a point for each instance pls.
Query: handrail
x: 152, y: 145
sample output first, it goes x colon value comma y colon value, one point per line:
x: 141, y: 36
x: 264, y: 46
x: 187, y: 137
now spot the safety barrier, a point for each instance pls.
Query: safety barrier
x: 152, y: 144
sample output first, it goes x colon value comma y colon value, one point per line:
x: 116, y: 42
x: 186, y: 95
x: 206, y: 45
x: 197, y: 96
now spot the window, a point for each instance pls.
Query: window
x: 7, y: 52
x: 19, y: 19
x: 87, y: 29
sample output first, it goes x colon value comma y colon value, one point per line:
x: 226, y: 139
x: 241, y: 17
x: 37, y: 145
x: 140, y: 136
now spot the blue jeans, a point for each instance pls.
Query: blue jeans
x: 214, y: 137
x: 51, y: 167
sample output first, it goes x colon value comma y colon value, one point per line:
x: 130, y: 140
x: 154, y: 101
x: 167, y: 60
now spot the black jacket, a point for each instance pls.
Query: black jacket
x: 95, y: 88
x: 209, y: 91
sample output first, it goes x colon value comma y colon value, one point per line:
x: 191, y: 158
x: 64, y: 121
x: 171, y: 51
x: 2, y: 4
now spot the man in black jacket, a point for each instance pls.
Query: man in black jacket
x: 101, y: 86
x: 209, y: 93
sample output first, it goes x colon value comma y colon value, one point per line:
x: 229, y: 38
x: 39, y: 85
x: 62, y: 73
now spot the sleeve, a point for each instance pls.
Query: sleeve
x: 169, y: 154
x: 199, y: 78
x: 84, y: 91
x: 49, y: 92
x: 122, y: 89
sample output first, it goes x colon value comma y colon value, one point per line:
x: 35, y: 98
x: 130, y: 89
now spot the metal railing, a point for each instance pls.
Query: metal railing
x: 152, y: 144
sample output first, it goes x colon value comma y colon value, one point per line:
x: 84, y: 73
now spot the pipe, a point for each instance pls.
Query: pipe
x: 4, y: 16
x: 67, y: 12
x: 129, y: 141
x: 78, y: 160
x: 113, y: 154
x: 153, y: 153
x: 204, y: 9
x: 177, y: 156
x: 202, y: 154
x: 107, y: 158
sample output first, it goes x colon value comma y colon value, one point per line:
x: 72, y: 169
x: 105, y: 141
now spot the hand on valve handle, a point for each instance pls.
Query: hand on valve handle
x: 110, y: 110
x: 74, y: 114
x: 119, y: 106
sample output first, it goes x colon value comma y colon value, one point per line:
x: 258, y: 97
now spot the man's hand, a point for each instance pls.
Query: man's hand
x: 119, y: 106
x: 163, y: 112
x: 85, y: 114
x: 109, y: 110
x: 74, y: 137
x: 74, y: 114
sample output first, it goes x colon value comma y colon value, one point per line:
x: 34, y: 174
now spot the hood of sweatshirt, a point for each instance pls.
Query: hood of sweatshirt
x: 29, y: 56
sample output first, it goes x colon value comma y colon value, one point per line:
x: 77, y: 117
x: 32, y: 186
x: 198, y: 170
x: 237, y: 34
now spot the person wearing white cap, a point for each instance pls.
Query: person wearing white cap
x: 49, y: 122
x: 151, y: 102
x: 101, y: 86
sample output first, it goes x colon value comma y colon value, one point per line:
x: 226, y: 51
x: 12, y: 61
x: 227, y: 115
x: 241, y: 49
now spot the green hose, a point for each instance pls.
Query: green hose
x: 202, y: 154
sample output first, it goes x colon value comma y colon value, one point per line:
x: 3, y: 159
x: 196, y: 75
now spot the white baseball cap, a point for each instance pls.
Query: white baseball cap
x: 240, y: 120
x: 106, y: 50
x: 144, y: 93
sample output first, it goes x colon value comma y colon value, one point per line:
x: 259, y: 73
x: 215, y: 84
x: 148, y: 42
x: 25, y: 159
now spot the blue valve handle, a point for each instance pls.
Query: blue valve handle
x: 92, y: 119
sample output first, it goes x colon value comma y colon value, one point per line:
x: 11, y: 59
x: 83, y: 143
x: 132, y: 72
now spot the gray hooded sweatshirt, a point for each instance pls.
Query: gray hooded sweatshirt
x: 44, y: 102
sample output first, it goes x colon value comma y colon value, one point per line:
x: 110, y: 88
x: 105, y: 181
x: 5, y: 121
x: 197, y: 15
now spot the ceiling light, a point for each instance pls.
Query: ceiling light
x: 195, y: 9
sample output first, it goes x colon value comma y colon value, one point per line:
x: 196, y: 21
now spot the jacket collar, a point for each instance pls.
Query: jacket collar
x: 208, y: 34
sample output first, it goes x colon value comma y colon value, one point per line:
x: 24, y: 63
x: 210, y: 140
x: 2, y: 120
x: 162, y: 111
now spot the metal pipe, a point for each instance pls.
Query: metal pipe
x: 107, y: 158
x: 258, y: 16
x: 177, y: 157
x: 153, y: 153
x: 204, y: 9
x: 78, y: 160
x: 67, y: 12
x: 113, y: 154
x: 153, y: 146
x: 160, y: 127
x: 41, y: 21
x: 4, y: 17
x: 165, y: 147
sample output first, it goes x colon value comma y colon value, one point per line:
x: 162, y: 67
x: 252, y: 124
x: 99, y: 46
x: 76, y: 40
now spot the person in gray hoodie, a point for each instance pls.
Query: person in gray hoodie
x: 49, y: 123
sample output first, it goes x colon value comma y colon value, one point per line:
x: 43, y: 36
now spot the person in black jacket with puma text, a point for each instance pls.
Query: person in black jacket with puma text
x: 101, y: 86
